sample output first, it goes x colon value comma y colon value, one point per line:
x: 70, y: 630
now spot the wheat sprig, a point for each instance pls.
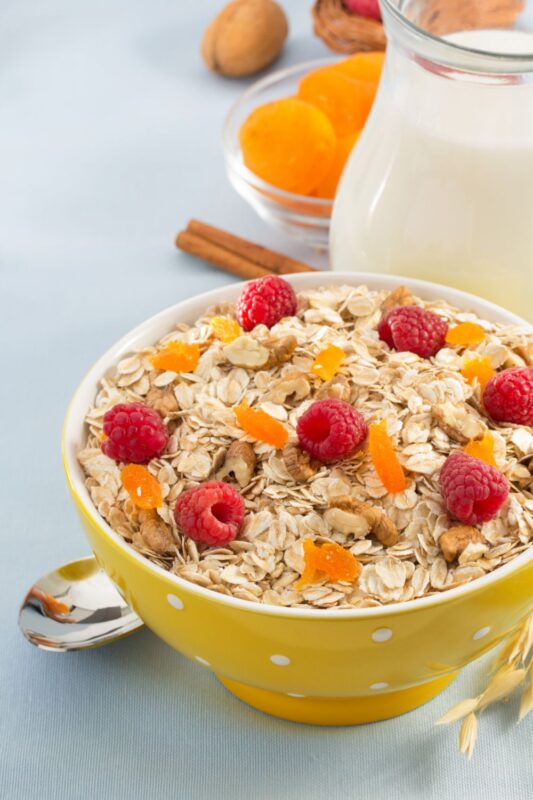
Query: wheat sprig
x: 512, y: 666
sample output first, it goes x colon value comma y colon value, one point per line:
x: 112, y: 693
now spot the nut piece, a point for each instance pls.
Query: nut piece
x: 299, y: 464
x: 379, y: 523
x: 453, y: 541
x: 247, y: 352
x: 163, y: 400
x: 347, y: 522
x: 240, y: 462
x: 526, y: 352
x: 337, y: 387
x: 294, y: 386
x: 245, y: 37
x: 457, y: 422
x: 155, y: 533
x: 281, y: 351
x: 401, y: 296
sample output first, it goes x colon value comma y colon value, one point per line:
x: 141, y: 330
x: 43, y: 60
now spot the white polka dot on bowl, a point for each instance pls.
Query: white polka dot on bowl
x: 175, y: 602
x: 202, y: 661
x: 481, y: 633
x: 279, y: 660
x: 382, y: 635
x: 379, y: 685
x: 293, y: 694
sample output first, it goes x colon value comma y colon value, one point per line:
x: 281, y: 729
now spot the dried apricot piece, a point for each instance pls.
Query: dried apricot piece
x: 478, y: 368
x: 345, y: 101
x: 177, y: 357
x: 327, y: 363
x: 466, y: 334
x: 482, y: 449
x: 225, y: 329
x: 328, y: 187
x: 289, y: 143
x: 261, y: 426
x: 330, y: 559
x: 142, y: 486
x: 384, y: 458
x: 362, y: 66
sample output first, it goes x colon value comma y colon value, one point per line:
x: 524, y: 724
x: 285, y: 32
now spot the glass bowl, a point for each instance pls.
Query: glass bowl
x: 306, y: 218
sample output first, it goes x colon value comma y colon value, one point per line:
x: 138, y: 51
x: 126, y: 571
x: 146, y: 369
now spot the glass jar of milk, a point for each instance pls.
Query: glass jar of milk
x: 440, y: 185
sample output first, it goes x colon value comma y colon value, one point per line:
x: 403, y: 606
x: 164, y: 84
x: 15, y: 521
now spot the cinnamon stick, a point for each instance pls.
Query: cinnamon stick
x: 262, y: 256
x: 224, y: 259
x: 235, y: 255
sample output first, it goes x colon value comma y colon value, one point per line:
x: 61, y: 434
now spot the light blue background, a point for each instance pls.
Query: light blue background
x: 110, y: 138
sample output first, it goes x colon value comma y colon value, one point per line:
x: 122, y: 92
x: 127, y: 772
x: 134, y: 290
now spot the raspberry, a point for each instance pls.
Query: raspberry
x: 331, y: 430
x: 508, y: 396
x: 365, y: 8
x: 265, y: 301
x: 415, y: 329
x: 473, y: 491
x: 135, y: 433
x: 211, y: 513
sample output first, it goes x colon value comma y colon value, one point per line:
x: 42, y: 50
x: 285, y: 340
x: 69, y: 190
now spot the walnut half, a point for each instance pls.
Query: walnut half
x: 453, y: 541
x: 163, y: 400
x: 378, y: 522
x: 155, y: 534
x: 240, y: 462
x: 298, y: 463
x: 401, y: 296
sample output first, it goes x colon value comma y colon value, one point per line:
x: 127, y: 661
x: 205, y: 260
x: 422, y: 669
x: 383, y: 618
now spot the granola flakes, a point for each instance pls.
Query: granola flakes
x: 430, y: 410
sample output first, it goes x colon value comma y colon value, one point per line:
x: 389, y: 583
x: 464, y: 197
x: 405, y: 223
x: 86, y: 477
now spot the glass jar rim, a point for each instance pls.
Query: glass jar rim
x: 451, y: 53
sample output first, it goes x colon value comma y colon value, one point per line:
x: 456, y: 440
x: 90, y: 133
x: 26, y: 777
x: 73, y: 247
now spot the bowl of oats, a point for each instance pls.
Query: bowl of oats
x: 319, y: 488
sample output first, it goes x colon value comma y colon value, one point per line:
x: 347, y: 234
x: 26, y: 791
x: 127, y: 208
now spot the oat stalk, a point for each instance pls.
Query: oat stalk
x: 511, y: 668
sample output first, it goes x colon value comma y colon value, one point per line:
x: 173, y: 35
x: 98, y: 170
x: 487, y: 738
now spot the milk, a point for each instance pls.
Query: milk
x: 440, y: 185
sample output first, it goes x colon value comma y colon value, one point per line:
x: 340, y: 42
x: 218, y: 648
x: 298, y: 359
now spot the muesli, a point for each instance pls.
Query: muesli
x: 314, y: 431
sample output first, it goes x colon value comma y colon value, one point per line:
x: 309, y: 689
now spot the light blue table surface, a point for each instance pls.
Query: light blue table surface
x: 110, y: 139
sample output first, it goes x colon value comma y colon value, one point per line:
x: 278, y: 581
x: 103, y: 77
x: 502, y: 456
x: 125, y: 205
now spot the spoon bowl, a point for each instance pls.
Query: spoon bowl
x: 75, y: 607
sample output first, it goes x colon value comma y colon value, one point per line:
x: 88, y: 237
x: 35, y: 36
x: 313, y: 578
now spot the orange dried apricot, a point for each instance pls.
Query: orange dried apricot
x: 328, y: 187
x: 289, y: 143
x: 345, y: 101
x: 330, y: 559
x: 384, y: 458
x: 177, y: 357
x: 362, y: 66
x: 482, y: 449
x: 225, y: 329
x: 466, y: 334
x: 327, y: 363
x: 261, y: 426
x: 142, y: 486
x: 478, y: 368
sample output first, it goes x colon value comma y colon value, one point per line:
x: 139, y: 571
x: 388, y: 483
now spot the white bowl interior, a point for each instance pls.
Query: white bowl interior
x: 75, y: 431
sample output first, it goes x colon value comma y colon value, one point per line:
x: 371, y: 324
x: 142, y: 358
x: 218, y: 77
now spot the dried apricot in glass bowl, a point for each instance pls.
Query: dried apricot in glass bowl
x: 307, y: 217
x: 290, y: 126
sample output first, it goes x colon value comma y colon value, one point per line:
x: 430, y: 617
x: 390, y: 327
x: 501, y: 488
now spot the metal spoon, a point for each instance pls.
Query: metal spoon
x: 76, y: 607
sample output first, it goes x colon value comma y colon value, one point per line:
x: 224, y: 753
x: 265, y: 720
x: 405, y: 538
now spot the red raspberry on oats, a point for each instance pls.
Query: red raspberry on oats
x: 413, y: 329
x: 508, y: 396
x: 211, y: 513
x: 473, y: 491
x: 135, y: 433
x: 265, y: 301
x: 331, y: 430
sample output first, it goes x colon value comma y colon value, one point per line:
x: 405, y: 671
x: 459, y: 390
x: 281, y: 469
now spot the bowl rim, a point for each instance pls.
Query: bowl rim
x: 231, y: 144
x: 376, y: 281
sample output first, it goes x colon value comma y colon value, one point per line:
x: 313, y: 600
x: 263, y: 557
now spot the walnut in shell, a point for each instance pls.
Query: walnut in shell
x: 245, y: 37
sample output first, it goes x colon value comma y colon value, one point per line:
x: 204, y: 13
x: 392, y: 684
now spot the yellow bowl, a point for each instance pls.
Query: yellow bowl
x: 330, y: 667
